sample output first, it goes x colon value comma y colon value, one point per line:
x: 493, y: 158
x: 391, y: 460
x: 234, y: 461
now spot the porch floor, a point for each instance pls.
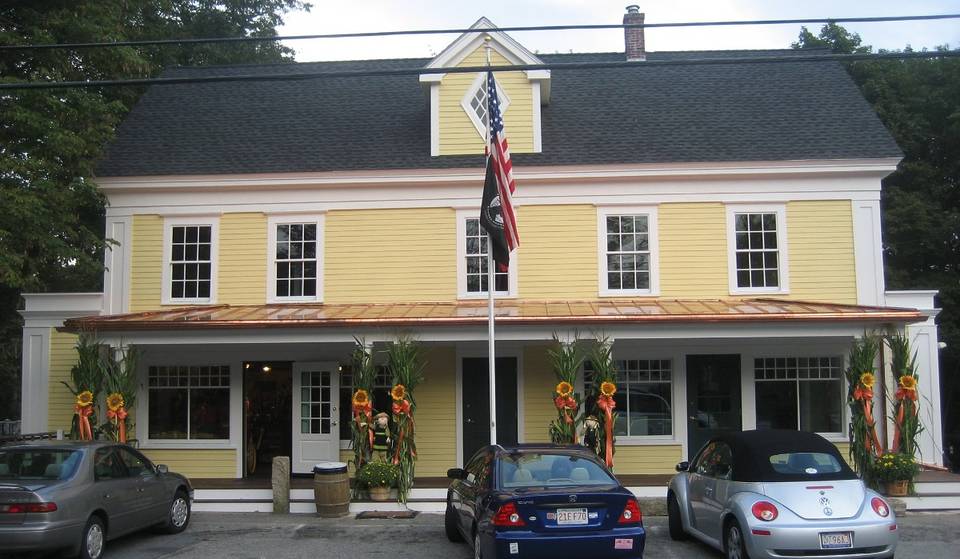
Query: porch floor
x: 306, y: 482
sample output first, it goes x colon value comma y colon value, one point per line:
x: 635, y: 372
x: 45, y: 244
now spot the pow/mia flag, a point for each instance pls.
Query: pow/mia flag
x: 491, y: 218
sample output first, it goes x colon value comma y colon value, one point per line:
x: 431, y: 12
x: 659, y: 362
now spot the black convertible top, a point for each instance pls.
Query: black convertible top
x: 752, y: 451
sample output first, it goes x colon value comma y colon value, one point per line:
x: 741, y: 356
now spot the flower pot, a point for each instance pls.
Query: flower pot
x: 380, y: 493
x: 897, y: 488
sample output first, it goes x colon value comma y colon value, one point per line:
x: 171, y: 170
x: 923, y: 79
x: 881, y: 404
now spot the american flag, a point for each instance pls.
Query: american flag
x: 499, y: 152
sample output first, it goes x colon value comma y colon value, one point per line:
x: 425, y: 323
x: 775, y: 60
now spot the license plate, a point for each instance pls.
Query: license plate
x: 835, y: 540
x: 567, y: 517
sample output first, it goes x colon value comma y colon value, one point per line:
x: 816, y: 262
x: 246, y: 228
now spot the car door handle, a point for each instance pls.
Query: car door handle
x: 139, y: 490
x: 106, y: 495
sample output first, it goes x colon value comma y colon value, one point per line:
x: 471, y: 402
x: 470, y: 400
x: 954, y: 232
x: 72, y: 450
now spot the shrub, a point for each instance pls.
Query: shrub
x: 894, y: 467
x: 378, y: 474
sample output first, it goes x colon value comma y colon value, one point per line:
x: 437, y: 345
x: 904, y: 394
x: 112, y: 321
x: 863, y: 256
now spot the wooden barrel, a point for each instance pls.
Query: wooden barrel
x: 331, y: 489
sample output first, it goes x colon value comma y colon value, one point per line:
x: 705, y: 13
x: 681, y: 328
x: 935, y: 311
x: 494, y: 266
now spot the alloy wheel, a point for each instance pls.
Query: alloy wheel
x: 476, y: 547
x: 178, y: 512
x: 94, y: 541
x: 734, y: 542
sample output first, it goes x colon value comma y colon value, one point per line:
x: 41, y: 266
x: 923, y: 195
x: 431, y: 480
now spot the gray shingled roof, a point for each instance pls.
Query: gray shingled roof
x: 644, y: 114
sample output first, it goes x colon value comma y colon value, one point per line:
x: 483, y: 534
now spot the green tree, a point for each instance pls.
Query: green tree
x: 51, y: 213
x: 919, y: 102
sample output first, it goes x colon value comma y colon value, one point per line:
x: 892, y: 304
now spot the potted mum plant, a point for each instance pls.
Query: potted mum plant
x: 378, y: 477
x: 896, y: 470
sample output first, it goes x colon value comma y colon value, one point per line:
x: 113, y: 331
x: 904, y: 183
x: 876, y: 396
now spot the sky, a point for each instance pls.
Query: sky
x: 340, y: 16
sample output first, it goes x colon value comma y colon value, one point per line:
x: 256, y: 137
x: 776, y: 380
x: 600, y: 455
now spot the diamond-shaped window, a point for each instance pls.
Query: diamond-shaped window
x: 474, y: 103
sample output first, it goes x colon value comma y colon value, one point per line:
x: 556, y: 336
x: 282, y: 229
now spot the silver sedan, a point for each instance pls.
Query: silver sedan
x: 78, y: 495
x: 778, y: 494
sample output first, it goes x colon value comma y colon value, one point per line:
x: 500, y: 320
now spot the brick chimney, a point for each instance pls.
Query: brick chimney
x: 633, y: 36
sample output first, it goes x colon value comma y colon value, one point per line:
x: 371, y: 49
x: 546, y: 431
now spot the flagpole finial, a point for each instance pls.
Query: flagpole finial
x: 486, y: 45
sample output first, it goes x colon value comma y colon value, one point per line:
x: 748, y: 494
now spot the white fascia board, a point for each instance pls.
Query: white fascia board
x: 877, y: 168
x: 50, y: 310
x: 467, y: 42
x: 921, y: 299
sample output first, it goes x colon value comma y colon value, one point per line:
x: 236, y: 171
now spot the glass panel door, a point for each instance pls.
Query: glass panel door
x: 315, y: 420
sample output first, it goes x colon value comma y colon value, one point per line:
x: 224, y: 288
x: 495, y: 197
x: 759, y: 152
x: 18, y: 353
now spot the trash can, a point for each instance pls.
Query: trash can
x: 331, y: 489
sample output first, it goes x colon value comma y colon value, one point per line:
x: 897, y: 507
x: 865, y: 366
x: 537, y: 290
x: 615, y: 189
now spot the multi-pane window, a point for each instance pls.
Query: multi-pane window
x: 474, y: 103
x: 628, y: 252
x: 295, y: 260
x: 757, y: 250
x: 804, y: 393
x: 380, y: 399
x: 316, y: 405
x: 477, y: 245
x: 190, y: 261
x: 644, y: 397
x: 189, y: 402
x: 478, y: 102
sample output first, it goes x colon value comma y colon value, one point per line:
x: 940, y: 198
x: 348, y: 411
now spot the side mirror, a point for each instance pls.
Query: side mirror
x: 457, y: 473
x: 162, y: 469
x: 682, y: 466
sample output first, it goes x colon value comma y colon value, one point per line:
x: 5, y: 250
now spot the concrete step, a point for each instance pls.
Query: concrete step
x: 937, y: 487
x: 932, y: 502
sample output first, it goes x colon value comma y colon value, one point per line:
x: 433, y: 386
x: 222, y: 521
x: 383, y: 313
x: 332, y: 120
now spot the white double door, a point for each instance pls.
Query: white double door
x: 316, y: 417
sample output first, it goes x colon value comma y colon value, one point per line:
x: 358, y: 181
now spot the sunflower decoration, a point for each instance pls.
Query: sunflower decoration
x: 608, y: 389
x: 564, y: 389
x: 85, y: 399
x: 867, y: 380
x: 361, y: 398
x: 908, y: 382
x: 398, y: 392
x: 115, y: 401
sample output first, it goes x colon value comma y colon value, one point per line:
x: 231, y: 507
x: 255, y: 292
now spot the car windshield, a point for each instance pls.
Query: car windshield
x: 37, y: 464
x: 534, y: 469
x: 805, y: 464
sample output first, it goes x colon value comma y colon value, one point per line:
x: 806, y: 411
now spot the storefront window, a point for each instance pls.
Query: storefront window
x: 804, y: 393
x: 189, y: 402
x: 644, y: 397
x: 381, y: 397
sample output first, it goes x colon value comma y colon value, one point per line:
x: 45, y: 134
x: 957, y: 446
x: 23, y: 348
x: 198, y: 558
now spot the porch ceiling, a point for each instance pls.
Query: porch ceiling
x: 508, y: 312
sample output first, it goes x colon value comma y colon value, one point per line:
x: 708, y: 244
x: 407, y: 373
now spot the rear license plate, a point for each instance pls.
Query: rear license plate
x: 835, y: 540
x: 567, y: 517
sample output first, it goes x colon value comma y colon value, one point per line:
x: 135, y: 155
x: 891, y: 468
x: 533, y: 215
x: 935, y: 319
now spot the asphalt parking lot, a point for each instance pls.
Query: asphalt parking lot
x: 254, y: 536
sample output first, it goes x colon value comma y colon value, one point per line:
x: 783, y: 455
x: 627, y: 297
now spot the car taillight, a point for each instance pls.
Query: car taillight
x: 763, y: 510
x: 880, y: 507
x: 508, y: 516
x: 20, y: 508
x: 631, y: 513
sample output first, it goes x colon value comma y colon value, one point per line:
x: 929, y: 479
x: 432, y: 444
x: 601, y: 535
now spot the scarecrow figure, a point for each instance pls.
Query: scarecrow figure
x: 381, y: 434
x: 591, y: 434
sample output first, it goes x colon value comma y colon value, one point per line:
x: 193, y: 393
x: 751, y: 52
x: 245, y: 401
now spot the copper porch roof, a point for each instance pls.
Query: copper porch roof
x: 508, y: 312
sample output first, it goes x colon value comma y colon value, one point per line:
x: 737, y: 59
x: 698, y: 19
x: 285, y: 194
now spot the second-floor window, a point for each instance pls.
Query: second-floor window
x: 296, y: 256
x: 190, y: 268
x: 473, y: 245
x: 628, y: 251
x: 758, y: 251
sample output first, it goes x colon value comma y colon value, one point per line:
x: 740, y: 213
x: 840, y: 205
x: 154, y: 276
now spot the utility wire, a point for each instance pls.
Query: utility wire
x: 471, y: 69
x: 204, y: 40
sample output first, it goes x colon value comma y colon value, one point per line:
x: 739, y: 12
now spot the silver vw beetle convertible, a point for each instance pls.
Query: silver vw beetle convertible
x: 78, y: 495
x: 776, y: 494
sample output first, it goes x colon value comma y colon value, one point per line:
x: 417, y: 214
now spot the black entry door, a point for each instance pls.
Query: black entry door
x: 476, y: 403
x: 713, y: 398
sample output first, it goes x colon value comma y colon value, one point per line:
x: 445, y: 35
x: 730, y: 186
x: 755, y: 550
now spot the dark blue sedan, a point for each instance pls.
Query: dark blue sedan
x: 551, y: 501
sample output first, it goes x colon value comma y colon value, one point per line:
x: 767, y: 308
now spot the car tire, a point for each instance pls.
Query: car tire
x: 734, y: 545
x: 178, y: 515
x: 94, y: 539
x: 674, y: 520
x: 450, y: 525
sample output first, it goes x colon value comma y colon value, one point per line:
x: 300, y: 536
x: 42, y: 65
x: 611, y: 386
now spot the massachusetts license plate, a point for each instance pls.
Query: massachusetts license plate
x: 567, y: 517
x: 835, y: 540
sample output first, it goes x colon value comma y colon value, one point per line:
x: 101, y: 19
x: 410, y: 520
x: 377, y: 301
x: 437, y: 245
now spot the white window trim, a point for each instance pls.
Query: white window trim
x: 783, y: 257
x: 748, y: 359
x: 165, y: 276
x: 462, y: 293
x: 502, y: 96
x: 272, y: 222
x: 143, y: 407
x: 652, y: 241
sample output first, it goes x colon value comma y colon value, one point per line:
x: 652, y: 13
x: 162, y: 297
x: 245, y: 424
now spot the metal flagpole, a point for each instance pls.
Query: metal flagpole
x: 491, y: 288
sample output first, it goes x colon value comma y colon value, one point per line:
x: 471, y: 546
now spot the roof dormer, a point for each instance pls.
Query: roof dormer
x: 458, y: 100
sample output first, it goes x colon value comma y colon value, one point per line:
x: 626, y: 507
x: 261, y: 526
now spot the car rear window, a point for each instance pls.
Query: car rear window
x: 37, y: 464
x: 805, y: 464
x: 530, y: 469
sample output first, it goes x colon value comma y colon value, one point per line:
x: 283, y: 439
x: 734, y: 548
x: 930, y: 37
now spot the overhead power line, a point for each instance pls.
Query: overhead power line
x: 472, y: 69
x: 205, y: 40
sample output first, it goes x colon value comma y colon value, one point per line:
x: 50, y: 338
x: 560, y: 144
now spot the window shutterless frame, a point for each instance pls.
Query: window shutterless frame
x: 474, y: 102
x: 779, y: 211
x: 462, y: 292
x: 167, y: 273
x: 273, y: 222
x: 652, y: 253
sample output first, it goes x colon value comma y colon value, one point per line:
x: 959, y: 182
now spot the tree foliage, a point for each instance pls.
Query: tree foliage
x: 919, y: 102
x: 51, y: 214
